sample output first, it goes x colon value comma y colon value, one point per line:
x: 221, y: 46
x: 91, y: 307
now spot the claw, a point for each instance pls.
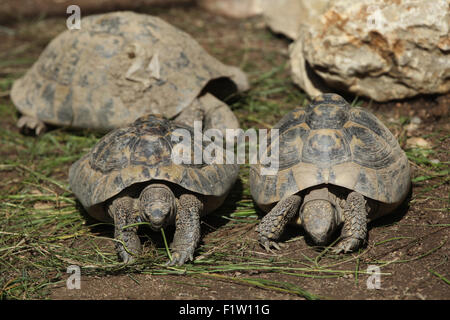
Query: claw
x: 347, y: 245
x: 31, y: 125
x: 128, y: 252
x: 337, y: 250
x: 268, y: 244
x: 179, y: 258
x: 125, y: 257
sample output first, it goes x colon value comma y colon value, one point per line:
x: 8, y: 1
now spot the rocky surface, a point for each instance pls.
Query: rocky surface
x: 383, y: 50
x: 282, y: 16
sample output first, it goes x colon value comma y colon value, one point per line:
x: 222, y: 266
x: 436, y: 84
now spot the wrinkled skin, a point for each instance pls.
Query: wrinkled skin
x: 320, y: 218
x: 158, y: 206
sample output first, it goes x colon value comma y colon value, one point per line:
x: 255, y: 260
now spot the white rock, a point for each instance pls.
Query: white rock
x: 416, y: 120
x: 282, y: 16
x: 418, y: 142
x: 287, y: 16
x: 381, y: 49
x: 411, y: 127
x: 234, y: 8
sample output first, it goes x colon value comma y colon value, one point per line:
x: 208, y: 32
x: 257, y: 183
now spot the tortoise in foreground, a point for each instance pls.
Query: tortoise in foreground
x: 117, y: 67
x: 130, y: 176
x: 338, y: 166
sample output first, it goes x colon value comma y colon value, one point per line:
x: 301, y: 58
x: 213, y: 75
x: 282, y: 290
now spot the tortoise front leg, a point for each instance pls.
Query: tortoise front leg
x: 272, y: 225
x: 121, y: 209
x: 187, y: 229
x: 354, y: 230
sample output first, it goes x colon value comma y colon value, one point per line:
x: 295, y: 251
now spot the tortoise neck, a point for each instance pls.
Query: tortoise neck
x: 320, y: 193
x: 328, y: 193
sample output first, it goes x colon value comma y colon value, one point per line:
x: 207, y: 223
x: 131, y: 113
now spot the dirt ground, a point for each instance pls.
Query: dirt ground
x: 410, y: 247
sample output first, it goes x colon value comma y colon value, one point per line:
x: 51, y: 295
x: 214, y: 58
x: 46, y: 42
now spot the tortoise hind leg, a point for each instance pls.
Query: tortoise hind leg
x: 272, y: 225
x: 128, y: 245
x: 29, y: 124
x: 354, y: 230
x: 187, y: 229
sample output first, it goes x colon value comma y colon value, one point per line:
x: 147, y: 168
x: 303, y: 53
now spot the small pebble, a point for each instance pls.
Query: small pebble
x: 411, y: 127
x: 420, y: 296
x: 418, y: 142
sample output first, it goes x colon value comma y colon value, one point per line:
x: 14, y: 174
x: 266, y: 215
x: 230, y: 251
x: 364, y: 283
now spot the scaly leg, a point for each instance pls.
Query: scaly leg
x: 354, y: 230
x: 272, y: 225
x: 121, y: 209
x: 187, y: 229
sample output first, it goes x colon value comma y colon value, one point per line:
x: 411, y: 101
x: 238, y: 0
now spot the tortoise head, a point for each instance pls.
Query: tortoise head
x: 319, y: 219
x: 157, y: 205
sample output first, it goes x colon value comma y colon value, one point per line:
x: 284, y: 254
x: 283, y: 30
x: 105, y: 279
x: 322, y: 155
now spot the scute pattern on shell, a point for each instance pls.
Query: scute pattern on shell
x: 330, y: 142
x: 139, y: 153
x: 81, y: 78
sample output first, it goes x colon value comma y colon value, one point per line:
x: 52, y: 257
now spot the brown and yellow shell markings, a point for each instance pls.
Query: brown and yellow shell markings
x: 139, y: 153
x: 117, y: 67
x: 329, y: 142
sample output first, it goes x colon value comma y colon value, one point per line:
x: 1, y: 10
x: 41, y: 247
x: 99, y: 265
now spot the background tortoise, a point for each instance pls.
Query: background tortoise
x: 116, y: 68
x: 129, y: 176
x: 337, y: 165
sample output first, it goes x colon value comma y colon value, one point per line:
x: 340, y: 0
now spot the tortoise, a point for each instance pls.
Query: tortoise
x: 130, y: 176
x: 117, y: 67
x: 339, y: 167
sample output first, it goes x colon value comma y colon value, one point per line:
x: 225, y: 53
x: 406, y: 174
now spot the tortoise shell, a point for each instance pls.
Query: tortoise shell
x: 117, y: 67
x: 139, y: 153
x: 330, y: 142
